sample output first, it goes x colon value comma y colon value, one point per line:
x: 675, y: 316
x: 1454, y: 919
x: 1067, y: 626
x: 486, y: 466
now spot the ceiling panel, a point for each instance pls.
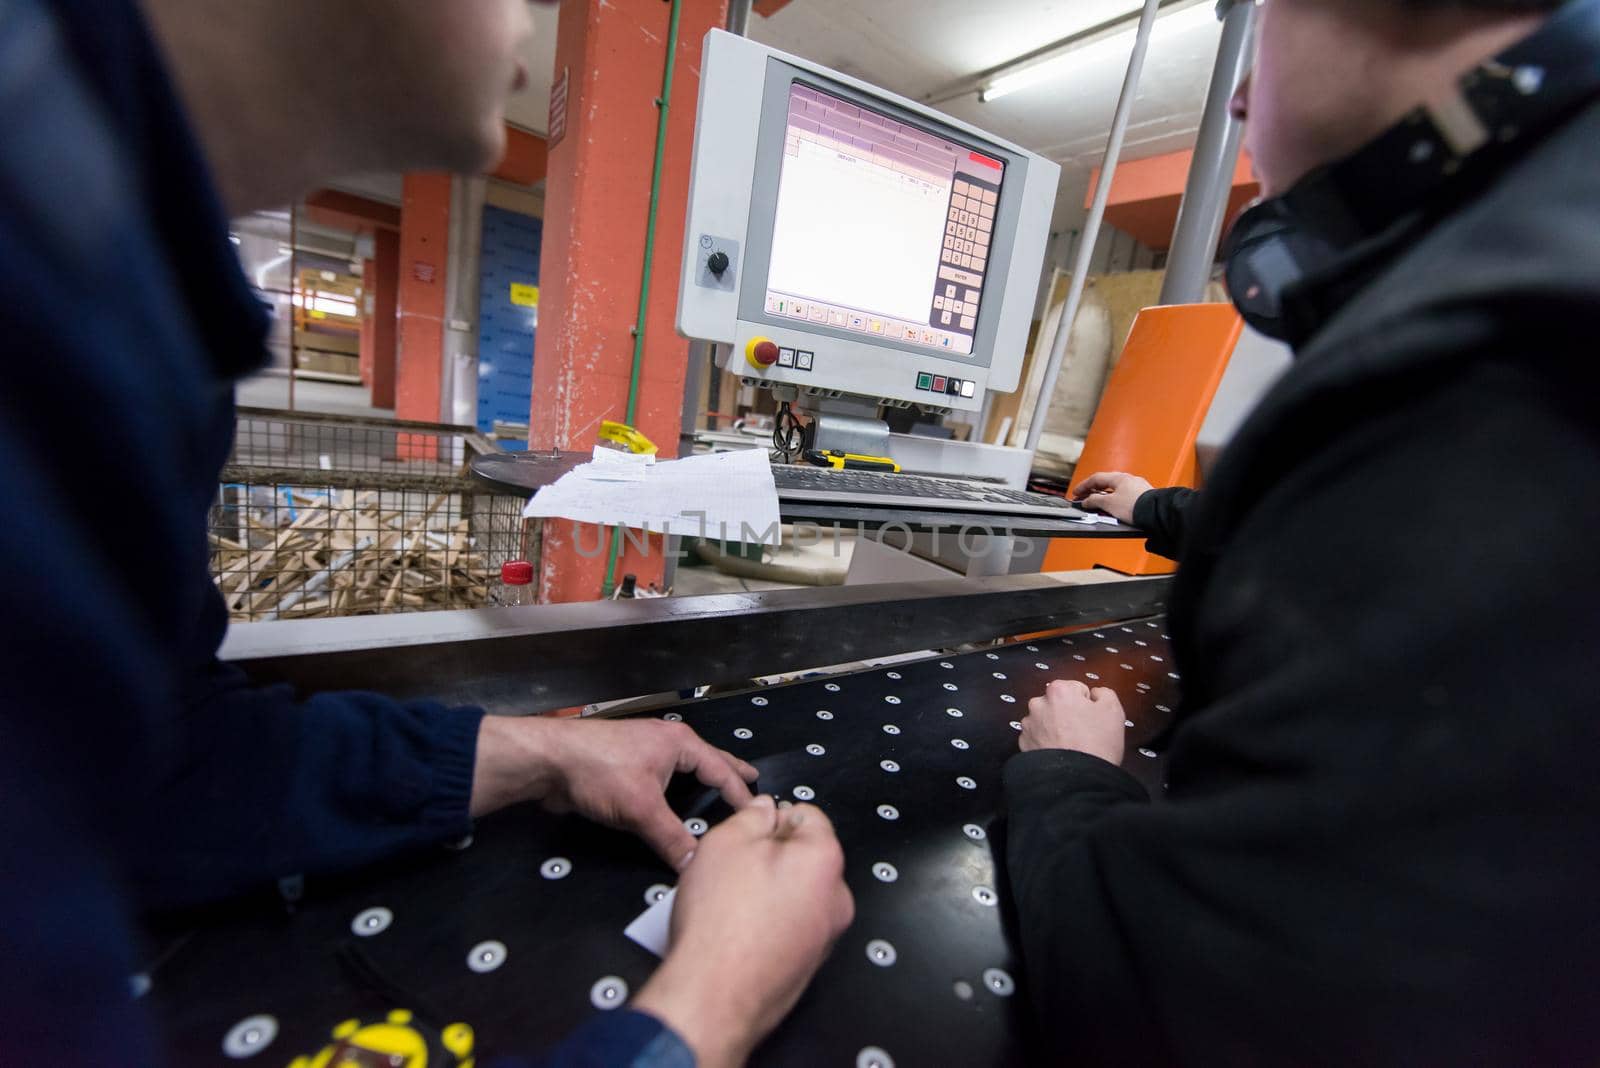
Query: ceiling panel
x: 916, y: 47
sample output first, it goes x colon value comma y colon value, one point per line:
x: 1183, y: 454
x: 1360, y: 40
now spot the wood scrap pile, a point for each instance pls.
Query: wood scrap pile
x: 309, y: 555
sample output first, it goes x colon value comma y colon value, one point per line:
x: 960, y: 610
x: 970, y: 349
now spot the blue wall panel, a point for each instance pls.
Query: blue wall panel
x: 511, y: 243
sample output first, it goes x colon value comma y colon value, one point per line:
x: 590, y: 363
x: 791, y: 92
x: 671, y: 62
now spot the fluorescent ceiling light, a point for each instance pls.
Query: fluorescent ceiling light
x: 1053, y: 66
x: 1026, y: 78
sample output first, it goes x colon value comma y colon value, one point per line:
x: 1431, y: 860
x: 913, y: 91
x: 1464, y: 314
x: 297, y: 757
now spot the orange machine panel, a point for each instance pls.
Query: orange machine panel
x: 1150, y: 418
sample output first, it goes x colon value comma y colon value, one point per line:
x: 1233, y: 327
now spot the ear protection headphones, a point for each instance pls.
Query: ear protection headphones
x: 1497, y: 109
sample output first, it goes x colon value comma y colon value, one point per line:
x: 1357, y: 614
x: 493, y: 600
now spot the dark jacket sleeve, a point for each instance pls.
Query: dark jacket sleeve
x: 254, y: 784
x: 1163, y: 515
x: 621, y: 1039
x: 1378, y: 842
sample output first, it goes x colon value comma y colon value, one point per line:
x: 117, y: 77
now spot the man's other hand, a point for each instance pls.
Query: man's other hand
x: 756, y: 915
x: 1072, y: 716
x: 1113, y: 493
x: 613, y: 773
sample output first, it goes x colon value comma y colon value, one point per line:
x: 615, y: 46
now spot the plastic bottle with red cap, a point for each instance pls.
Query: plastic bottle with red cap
x: 516, y: 585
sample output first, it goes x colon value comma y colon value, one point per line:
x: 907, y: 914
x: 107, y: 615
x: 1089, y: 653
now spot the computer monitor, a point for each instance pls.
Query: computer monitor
x: 848, y: 242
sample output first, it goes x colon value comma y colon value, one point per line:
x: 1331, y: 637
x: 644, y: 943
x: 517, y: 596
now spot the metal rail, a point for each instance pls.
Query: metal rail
x: 1216, y: 158
x: 526, y: 660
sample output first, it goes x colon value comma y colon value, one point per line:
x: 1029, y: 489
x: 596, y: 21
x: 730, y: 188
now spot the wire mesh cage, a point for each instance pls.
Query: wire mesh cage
x: 322, y: 516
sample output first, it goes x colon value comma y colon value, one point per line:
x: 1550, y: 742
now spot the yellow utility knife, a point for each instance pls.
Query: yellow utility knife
x: 849, y: 461
x: 627, y: 438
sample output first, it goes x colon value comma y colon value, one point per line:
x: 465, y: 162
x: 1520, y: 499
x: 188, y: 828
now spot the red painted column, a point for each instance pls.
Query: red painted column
x: 385, y: 316
x: 596, y: 212
x: 424, y: 250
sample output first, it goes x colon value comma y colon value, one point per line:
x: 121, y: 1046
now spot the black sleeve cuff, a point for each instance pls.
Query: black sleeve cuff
x: 1047, y: 775
x: 1144, y: 511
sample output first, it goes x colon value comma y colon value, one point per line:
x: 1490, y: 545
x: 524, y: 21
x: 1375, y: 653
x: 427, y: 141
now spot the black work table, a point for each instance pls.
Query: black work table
x: 905, y: 760
x: 527, y: 473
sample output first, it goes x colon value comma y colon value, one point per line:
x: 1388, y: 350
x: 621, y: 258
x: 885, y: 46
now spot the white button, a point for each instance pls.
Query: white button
x: 370, y: 922
x: 881, y: 953
x: 249, y: 1036
x: 608, y: 993
x: 873, y: 1057
x: 999, y: 983
x: 486, y: 956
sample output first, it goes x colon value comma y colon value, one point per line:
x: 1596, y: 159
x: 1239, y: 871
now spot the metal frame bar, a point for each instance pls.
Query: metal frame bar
x: 527, y: 660
x: 1091, y: 228
x: 1216, y: 157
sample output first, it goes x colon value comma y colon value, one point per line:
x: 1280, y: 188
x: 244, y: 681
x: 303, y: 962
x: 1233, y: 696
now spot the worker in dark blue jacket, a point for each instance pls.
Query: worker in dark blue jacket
x: 137, y: 771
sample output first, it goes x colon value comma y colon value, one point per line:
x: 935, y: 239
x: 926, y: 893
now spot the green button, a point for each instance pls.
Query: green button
x: 925, y: 381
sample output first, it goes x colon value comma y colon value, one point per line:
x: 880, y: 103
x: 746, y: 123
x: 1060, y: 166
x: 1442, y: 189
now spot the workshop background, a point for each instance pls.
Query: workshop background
x: 420, y: 320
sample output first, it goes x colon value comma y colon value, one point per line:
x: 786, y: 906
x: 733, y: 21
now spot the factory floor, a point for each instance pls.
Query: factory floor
x: 270, y: 389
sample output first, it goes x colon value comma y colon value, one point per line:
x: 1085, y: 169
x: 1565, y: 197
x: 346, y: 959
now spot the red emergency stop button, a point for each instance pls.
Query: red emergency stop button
x: 761, y: 352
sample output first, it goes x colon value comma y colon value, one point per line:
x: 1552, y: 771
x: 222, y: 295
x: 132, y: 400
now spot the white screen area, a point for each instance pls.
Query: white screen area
x: 855, y: 234
x: 870, y: 235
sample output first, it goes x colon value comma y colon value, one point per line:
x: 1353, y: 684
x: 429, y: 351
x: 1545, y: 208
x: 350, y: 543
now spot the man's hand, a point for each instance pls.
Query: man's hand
x: 612, y: 773
x: 755, y: 917
x: 1072, y: 716
x: 1113, y: 493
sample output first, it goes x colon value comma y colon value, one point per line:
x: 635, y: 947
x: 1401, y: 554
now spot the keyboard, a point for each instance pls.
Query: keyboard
x: 796, y: 483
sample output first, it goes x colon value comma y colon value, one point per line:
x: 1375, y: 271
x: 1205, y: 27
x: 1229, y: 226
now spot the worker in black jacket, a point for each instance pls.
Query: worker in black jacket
x: 1379, y: 841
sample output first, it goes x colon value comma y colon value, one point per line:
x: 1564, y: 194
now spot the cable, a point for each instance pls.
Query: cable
x: 788, y: 433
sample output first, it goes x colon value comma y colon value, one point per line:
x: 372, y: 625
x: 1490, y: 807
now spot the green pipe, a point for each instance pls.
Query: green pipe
x: 664, y: 107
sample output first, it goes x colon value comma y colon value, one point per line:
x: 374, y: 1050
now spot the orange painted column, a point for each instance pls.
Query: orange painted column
x: 424, y: 251
x: 369, y: 283
x: 596, y: 211
x: 385, y: 316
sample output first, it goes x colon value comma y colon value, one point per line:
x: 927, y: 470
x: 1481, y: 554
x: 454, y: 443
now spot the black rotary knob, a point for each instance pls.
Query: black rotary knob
x: 718, y: 263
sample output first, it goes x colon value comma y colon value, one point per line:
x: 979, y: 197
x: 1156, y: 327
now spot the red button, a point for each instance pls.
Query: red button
x: 767, y: 353
x: 939, y: 385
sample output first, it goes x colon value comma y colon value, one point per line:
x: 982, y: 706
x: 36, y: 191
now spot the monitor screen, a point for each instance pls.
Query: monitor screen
x: 882, y: 228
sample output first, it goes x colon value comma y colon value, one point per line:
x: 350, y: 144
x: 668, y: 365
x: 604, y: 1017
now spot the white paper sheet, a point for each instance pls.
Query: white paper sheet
x: 653, y: 928
x: 728, y: 496
x: 610, y: 465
